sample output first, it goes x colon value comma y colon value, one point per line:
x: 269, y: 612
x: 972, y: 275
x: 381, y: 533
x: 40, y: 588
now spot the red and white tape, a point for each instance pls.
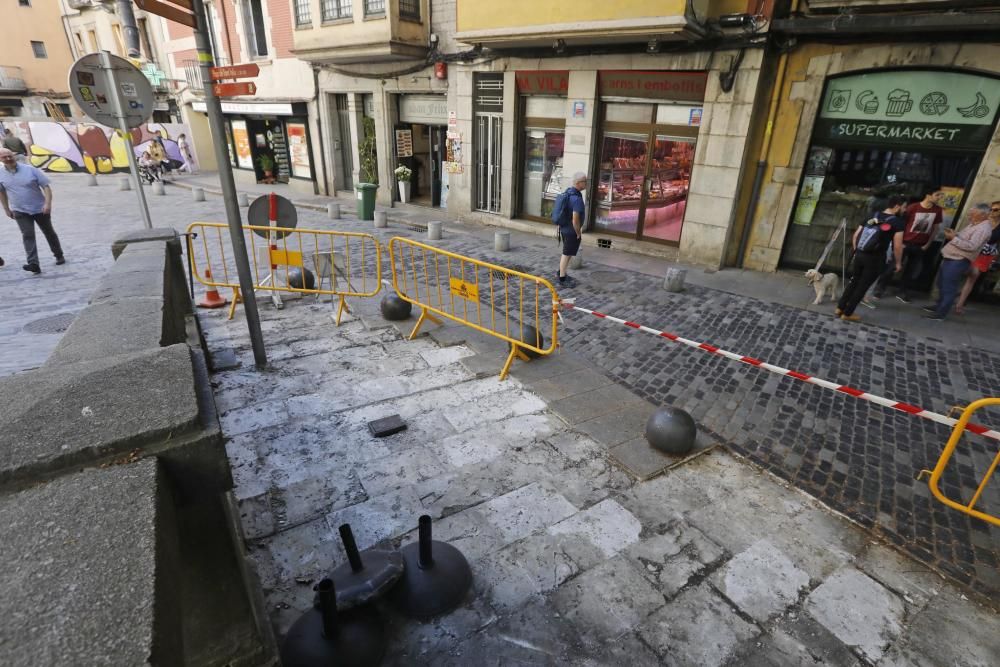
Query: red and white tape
x: 843, y: 389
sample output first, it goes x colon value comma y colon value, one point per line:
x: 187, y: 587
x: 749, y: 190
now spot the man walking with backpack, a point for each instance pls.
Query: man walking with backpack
x: 871, y: 242
x: 568, y: 214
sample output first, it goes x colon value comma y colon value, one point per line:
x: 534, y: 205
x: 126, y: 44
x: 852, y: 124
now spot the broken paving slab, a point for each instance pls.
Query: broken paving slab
x: 762, y: 581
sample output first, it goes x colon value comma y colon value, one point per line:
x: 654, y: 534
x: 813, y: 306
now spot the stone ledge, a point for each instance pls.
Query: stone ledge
x: 66, y: 415
x: 89, y: 571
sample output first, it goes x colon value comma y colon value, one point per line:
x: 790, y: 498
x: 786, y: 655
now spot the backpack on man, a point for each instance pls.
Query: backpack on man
x: 561, y: 209
x: 874, y: 232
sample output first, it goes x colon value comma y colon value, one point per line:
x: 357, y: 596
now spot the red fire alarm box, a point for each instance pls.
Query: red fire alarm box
x: 441, y: 70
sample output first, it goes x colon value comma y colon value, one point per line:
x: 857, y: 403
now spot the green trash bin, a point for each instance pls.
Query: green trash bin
x: 366, y: 200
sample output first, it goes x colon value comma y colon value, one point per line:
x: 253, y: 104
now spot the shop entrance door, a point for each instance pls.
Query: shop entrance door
x: 489, y: 129
x: 269, y: 149
x: 645, y: 168
x: 342, y: 153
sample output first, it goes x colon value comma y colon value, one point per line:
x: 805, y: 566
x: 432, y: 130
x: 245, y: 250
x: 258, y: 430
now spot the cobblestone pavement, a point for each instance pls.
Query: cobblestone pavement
x: 856, y: 457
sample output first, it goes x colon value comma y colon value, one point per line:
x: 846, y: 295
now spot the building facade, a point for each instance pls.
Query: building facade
x: 874, y: 99
x: 269, y: 135
x: 494, y: 111
x: 35, y: 58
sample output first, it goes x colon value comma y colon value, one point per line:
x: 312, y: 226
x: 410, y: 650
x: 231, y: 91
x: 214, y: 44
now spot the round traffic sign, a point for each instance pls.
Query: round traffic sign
x: 89, y: 84
x: 258, y: 215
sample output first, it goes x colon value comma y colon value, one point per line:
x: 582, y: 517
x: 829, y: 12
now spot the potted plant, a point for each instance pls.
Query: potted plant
x: 403, y: 175
x: 266, y: 163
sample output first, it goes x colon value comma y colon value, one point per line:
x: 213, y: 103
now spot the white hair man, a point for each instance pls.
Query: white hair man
x: 569, y: 214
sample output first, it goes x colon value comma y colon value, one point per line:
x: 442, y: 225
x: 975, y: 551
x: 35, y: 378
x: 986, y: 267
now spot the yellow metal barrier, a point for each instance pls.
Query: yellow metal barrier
x: 489, y: 298
x: 949, y: 449
x: 351, y: 262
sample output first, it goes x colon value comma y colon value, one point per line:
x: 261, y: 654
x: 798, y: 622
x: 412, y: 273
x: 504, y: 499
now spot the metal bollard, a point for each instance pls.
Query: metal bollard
x: 333, y: 211
x: 242, y: 199
x: 501, y: 241
x: 434, y: 231
x: 91, y: 179
x: 381, y: 220
x: 158, y: 188
x: 674, y: 280
x: 198, y: 194
x: 124, y: 184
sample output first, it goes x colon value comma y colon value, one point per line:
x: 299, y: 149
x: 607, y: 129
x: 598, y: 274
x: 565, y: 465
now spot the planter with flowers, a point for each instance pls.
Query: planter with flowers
x: 403, y: 175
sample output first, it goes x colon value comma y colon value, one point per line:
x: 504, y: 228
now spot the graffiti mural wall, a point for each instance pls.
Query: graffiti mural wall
x: 88, y: 147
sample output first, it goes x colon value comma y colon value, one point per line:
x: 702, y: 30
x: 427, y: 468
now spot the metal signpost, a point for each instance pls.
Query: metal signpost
x: 114, y: 93
x: 217, y: 126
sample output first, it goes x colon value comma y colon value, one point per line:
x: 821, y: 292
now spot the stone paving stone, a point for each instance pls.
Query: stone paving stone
x: 619, y: 426
x: 761, y: 581
x: 524, y: 570
x: 411, y: 642
x: 607, y: 525
x: 525, y: 511
x: 672, y: 559
x: 379, y: 518
x: 609, y: 600
x: 254, y: 417
x: 554, y: 386
x: 468, y: 531
x: 698, y: 630
x: 595, y: 403
x: 858, y: 611
x: 494, y: 439
x: 795, y: 639
x: 400, y: 469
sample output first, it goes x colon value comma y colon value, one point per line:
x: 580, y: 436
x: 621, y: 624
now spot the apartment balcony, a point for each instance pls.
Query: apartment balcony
x: 529, y: 23
x: 364, y: 31
x: 12, y: 80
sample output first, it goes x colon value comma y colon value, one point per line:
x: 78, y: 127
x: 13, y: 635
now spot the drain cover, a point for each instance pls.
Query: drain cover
x: 607, y: 277
x: 50, y: 325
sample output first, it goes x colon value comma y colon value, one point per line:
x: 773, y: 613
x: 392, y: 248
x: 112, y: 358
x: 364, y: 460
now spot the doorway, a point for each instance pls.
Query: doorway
x: 421, y: 148
x: 489, y: 130
x: 343, y: 158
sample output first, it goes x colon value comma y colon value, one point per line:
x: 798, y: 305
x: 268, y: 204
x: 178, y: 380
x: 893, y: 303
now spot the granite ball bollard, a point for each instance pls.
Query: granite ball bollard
x: 533, y: 337
x: 301, y: 278
x: 436, y: 578
x: 198, y: 194
x: 671, y: 431
x: 322, y: 636
x: 394, y: 308
x: 124, y: 183
x: 434, y: 231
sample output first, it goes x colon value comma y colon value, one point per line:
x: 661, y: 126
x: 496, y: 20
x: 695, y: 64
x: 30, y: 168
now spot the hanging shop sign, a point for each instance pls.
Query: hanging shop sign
x: 242, y: 140
x: 658, y: 85
x: 536, y: 82
x: 925, y: 108
x: 423, y: 109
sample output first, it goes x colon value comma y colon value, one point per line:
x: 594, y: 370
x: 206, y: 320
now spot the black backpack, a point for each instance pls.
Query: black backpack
x: 559, y: 208
x: 874, y: 232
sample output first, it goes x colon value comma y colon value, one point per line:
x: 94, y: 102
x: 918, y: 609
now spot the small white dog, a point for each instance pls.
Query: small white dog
x: 823, y: 283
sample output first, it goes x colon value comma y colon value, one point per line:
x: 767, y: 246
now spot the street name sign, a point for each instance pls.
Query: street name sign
x: 242, y: 71
x: 231, y: 89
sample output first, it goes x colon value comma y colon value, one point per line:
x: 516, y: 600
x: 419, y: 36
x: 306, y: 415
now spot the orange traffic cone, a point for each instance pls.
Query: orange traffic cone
x: 212, y: 297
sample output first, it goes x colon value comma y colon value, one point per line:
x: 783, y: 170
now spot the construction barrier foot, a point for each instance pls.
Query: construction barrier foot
x: 514, y: 352
x: 340, y: 310
x: 424, y: 314
x: 236, y: 299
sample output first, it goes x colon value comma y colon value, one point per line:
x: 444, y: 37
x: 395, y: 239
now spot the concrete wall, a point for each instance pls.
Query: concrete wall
x: 808, y: 68
x: 113, y: 488
x: 40, y: 22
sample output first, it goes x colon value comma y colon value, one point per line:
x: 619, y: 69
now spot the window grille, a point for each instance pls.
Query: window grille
x: 337, y: 9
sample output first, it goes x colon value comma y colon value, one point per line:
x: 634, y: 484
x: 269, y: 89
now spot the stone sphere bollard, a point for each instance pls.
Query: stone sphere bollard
x: 158, y: 188
x: 674, y: 280
x: 333, y: 211
x: 381, y: 220
x: 531, y: 336
x: 501, y: 241
x: 242, y: 199
x: 198, y: 194
x: 124, y: 184
x: 91, y: 179
x: 434, y: 231
x: 395, y: 309
x: 671, y: 431
x: 576, y: 261
x: 301, y: 278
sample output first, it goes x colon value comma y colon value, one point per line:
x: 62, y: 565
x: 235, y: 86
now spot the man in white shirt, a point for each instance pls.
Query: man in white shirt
x: 957, y: 256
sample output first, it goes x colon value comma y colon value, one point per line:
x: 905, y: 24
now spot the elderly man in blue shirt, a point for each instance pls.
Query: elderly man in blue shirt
x: 26, y: 196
